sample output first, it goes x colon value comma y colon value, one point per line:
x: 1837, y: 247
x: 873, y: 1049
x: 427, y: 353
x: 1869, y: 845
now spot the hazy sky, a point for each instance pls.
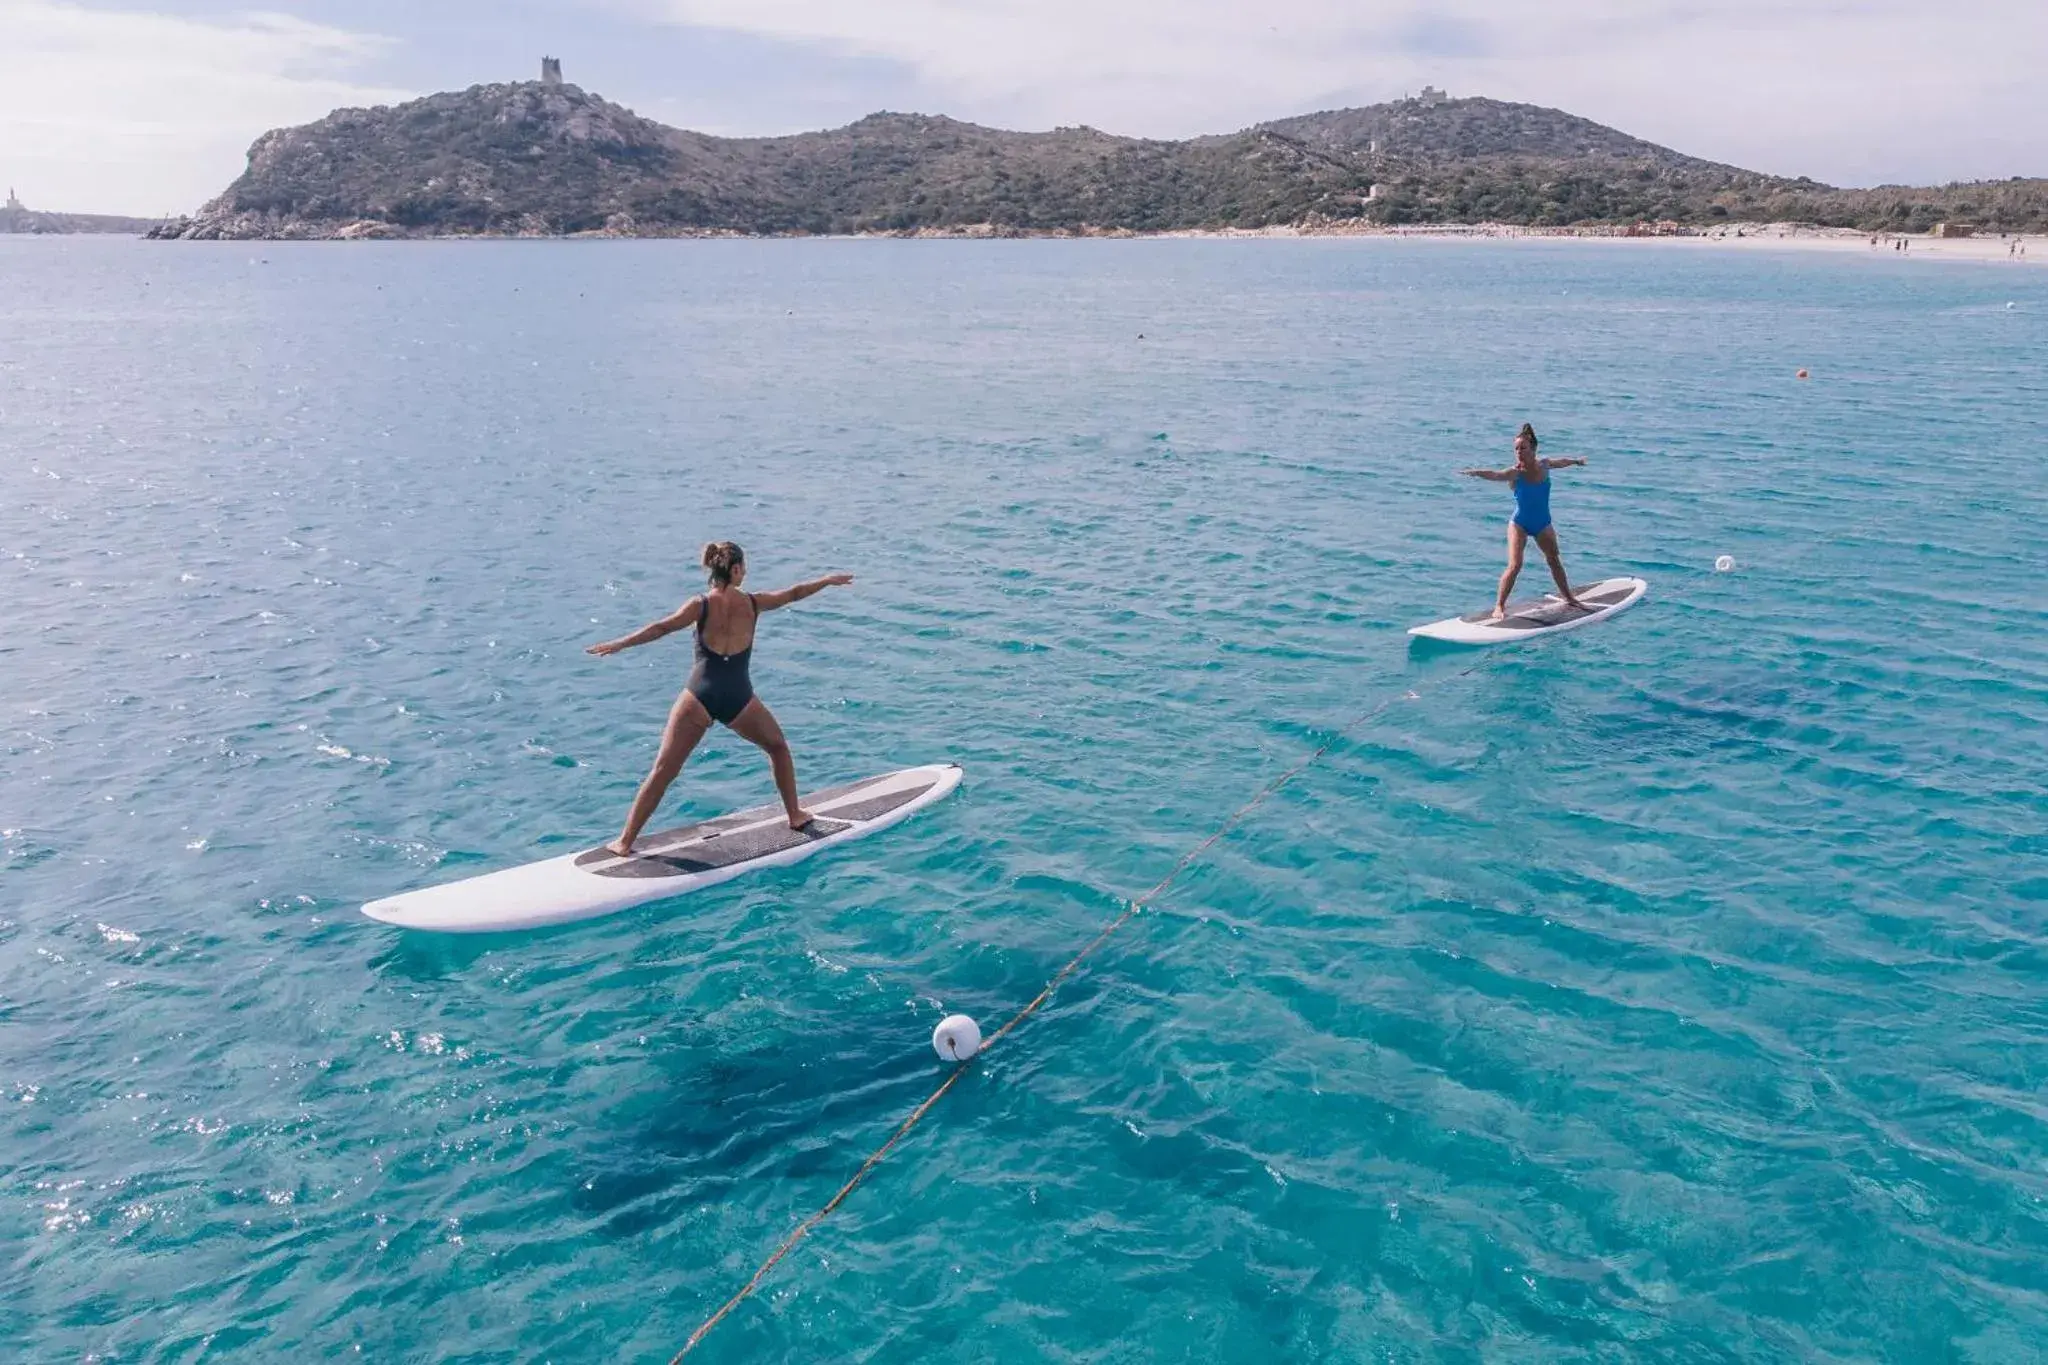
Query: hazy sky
x: 117, y: 108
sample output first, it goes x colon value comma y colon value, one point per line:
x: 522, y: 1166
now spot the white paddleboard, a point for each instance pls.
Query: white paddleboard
x: 1537, y: 616
x: 597, y: 882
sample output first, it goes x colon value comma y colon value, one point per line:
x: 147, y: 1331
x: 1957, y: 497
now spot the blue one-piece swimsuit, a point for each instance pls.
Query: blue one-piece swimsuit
x: 1532, y: 505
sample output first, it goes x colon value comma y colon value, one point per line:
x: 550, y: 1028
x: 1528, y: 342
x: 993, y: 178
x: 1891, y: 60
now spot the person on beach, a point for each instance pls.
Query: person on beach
x: 1530, y: 479
x: 719, y: 688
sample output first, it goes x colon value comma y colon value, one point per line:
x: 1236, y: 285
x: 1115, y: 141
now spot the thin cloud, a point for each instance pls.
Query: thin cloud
x: 1881, y: 89
x: 132, y: 111
x: 127, y: 112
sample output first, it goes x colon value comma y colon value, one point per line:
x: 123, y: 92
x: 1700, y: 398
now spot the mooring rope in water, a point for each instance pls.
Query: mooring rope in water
x: 1129, y: 912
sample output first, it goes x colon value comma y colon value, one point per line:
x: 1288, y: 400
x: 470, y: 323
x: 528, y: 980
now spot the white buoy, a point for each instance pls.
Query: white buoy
x: 1724, y: 563
x: 956, y: 1038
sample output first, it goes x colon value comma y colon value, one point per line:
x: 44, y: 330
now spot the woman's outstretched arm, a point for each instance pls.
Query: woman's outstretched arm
x: 769, y: 601
x: 1491, y: 475
x: 1564, y: 462
x: 682, y: 618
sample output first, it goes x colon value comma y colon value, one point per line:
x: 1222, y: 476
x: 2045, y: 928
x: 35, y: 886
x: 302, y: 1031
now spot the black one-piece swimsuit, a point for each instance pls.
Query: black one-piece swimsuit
x: 720, y: 682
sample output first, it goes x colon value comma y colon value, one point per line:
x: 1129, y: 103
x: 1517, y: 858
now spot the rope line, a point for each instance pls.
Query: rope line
x: 1109, y: 930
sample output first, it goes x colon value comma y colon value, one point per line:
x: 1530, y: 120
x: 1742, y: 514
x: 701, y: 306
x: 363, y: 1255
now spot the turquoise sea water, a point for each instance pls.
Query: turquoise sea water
x: 1670, y: 990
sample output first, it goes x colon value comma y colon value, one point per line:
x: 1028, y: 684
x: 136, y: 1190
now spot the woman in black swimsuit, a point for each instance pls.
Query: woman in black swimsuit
x: 719, y: 688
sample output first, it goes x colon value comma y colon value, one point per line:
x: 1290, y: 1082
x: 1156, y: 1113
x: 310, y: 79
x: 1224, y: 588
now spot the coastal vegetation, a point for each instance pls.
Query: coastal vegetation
x: 17, y: 217
x: 536, y: 158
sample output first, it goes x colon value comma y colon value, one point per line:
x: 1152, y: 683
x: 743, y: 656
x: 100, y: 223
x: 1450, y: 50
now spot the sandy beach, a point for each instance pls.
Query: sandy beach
x: 1987, y: 249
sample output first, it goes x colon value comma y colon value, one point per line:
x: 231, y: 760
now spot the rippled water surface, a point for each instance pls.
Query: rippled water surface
x: 1671, y: 990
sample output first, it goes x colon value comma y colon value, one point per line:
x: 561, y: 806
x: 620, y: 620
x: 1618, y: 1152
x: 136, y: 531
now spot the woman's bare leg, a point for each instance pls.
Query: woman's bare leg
x: 1518, y: 541
x: 757, y: 724
x: 687, y: 722
x: 1546, y: 541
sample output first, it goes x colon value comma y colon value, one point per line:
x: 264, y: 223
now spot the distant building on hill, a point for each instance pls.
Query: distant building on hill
x: 16, y: 216
x: 1431, y: 97
x: 551, y: 71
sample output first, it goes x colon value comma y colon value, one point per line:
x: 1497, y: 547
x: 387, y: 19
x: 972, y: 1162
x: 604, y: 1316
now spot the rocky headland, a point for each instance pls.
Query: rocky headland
x: 547, y: 159
x: 16, y: 216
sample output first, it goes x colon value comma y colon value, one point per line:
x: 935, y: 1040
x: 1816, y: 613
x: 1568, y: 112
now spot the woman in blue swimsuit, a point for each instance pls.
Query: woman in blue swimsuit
x: 720, y: 688
x: 1530, y: 478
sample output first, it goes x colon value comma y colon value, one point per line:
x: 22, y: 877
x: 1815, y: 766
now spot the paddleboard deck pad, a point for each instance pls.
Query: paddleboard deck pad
x: 1538, y: 616
x: 598, y: 882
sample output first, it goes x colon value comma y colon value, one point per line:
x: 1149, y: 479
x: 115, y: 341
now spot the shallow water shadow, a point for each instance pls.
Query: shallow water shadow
x: 1424, y: 650
x: 724, y: 1119
x: 421, y: 956
x: 1754, y: 711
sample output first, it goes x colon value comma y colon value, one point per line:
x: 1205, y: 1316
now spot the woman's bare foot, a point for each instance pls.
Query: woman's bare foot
x: 1500, y: 612
x: 800, y: 819
x: 619, y: 848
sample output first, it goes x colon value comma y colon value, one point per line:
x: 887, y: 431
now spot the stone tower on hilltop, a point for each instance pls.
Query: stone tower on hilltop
x: 551, y: 71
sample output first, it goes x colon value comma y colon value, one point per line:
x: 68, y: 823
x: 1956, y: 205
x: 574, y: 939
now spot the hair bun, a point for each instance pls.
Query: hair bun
x: 1529, y: 432
x: 721, y: 557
